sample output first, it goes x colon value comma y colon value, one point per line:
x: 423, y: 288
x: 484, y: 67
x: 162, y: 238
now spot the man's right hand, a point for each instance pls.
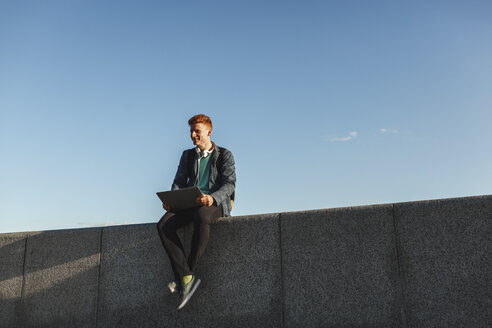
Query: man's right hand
x: 166, y: 207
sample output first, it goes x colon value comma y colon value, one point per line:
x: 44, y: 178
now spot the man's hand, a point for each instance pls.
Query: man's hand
x: 205, y: 200
x: 166, y: 207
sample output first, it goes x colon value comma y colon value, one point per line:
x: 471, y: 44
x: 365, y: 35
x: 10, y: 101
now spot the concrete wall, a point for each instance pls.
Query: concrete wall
x: 416, y: 264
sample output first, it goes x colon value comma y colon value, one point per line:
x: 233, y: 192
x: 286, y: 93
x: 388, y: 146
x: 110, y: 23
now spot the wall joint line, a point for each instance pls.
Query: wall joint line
x: 99, y: 277
x: 282, y: 295
x: 401, y: 295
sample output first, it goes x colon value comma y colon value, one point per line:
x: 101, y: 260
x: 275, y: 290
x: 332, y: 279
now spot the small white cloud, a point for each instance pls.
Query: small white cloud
x: 384, y: 130
x: 351, y: 136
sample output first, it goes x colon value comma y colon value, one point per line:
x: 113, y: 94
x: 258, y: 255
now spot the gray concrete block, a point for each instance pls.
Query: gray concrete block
x: 141, y: 299
x: 240, y: 273
x: 135, y: 272
x: 48, y: 249
x: 130, y: 297
x: 242, y: 239
x: 133, y: 245
x: 12, y: 249
x: 245, y: 284
x: 10, y: 294
x: 340, y: 268
x: 61, y: 278
x: 445, y: 257
x: 60, y: 297
x: 241, y: 294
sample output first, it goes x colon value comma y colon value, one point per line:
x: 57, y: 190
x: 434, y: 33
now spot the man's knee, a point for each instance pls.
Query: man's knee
x: 204, y: 215
x: 165, y: 225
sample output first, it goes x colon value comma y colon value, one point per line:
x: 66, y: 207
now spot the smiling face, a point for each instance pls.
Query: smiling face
x: 200, y: 135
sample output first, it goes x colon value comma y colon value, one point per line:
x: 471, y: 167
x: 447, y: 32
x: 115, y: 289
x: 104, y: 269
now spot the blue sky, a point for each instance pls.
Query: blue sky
x: 323, y: 103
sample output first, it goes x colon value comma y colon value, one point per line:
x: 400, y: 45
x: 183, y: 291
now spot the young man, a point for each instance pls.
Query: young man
x: 211, y: 168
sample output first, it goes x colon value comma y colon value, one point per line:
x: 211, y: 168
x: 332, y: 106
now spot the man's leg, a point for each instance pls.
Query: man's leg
x: 167, y: 229
x: 202, y: 219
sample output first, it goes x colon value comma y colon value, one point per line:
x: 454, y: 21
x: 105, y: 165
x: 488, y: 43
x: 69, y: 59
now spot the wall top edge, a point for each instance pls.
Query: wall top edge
x: 262, y: 215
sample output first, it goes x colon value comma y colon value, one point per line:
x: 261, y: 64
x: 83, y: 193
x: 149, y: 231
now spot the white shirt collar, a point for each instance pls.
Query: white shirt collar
x: 205, y: 153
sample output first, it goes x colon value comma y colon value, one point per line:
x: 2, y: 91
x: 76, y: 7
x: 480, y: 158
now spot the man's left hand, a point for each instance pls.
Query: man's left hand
x: 205, y: 200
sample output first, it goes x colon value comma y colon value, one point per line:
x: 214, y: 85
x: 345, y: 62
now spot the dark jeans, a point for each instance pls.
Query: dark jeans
x: 202, y: 217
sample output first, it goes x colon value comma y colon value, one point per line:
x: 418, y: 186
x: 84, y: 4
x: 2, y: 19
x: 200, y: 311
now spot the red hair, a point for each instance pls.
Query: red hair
x: 200, y: 118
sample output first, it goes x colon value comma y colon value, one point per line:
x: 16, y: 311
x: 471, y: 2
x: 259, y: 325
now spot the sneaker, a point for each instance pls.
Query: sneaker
x: 187, y: 291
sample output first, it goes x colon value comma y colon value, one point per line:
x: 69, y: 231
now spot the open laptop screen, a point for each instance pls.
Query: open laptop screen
x: 180, y: 199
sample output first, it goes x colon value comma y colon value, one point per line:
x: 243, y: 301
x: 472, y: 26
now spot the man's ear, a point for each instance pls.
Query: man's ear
x: 209, y: 133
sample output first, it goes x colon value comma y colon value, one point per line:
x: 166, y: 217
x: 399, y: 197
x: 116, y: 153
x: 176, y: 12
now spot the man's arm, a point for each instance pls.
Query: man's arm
x: 181, y: 177
x: 228, y: 178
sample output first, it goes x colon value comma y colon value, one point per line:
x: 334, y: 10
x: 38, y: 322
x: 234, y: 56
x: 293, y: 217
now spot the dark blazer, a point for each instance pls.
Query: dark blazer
x: 221, y: 184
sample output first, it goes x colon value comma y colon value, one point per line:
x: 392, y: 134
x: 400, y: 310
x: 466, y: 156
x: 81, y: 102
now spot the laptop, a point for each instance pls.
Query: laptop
x: 180, y: 199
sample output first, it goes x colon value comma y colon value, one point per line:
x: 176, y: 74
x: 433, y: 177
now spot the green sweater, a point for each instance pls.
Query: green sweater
x: 204, y: 174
